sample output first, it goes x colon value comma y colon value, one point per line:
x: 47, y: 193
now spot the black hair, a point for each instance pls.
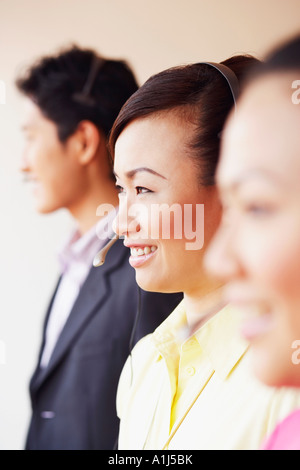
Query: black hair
x: 200, y: 94
x: 78, y: 84
x: 286, y: 57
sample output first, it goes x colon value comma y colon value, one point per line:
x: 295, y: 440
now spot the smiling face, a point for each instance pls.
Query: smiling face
x: 152, y: 169
x: 51, y: 166
x: 257, y: 249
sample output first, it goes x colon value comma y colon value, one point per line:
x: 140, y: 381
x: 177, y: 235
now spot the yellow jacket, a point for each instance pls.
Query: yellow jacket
x: 220, y: 406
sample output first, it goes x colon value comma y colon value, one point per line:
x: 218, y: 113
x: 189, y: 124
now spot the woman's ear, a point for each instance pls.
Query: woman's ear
x: 87, y: 138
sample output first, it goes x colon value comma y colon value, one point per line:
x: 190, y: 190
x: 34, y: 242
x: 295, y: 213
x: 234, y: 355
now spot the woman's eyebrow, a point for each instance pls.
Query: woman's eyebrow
x: 265, y: 175
x: 130, y: 174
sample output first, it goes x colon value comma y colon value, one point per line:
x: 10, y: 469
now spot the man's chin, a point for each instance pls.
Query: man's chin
x: 45, y: 208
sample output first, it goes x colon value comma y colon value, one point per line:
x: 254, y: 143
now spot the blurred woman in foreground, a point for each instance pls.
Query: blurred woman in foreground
x: 257, y: 248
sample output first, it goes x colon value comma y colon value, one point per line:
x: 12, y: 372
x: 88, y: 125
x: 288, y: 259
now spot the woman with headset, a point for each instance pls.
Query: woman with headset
x: 187, y: 385
x: 257, y: 248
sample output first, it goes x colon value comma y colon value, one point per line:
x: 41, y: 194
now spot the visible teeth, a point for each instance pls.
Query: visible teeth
x: 143, y: 251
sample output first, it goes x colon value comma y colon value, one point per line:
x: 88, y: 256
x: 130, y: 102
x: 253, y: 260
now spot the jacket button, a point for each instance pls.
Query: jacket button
x: 47, y: 414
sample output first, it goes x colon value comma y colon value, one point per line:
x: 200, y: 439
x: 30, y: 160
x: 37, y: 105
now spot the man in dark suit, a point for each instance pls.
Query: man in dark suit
x: 96, y: 314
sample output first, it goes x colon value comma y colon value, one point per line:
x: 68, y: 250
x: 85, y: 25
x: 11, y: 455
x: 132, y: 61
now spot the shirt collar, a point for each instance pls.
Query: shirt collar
x: 221, y: 340
x: 218, y: 338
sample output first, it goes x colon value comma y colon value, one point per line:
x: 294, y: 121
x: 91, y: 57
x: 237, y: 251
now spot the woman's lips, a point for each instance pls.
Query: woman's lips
x: 141, y: 254
x: 255, y: 327
x: 257, y: 318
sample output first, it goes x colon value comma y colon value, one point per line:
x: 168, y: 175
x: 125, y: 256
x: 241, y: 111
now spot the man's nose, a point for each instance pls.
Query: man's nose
x: 24, y: 164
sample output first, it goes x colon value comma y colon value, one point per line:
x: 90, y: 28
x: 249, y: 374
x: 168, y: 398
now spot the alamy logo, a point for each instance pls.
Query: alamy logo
x: 296, y: 94
x: 2, y: 92
x: 296, y: 353
x: 159, y: 221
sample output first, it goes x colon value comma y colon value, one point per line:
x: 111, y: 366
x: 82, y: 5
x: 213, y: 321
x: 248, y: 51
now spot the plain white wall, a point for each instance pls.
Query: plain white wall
x: 151, y: 35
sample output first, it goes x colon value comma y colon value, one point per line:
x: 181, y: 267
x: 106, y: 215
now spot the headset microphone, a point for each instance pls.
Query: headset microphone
x: 100, y: 257
x: 99, y: 261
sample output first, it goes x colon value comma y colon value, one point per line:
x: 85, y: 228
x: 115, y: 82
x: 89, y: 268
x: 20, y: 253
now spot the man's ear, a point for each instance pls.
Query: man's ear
x: 87, y: 138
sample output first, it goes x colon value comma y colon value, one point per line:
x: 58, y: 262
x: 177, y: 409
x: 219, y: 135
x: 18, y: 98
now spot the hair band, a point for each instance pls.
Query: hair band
x: 229, y: 76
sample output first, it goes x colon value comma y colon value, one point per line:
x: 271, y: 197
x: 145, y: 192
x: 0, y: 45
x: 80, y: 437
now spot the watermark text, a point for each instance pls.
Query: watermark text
x: 157, y: 222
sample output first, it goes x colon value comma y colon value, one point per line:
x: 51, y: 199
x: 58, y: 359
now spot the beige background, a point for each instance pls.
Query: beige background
x: 151, y: 35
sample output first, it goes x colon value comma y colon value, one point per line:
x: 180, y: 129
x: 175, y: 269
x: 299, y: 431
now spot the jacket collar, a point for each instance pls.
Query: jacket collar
x: 93, y: 292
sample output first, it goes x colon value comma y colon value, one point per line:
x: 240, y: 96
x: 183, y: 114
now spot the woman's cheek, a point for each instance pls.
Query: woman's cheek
x: 273, y: 261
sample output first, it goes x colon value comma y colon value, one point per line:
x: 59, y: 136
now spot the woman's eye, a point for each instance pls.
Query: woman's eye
x: 120, y: 189
x: 142, y: 190
x: 259, y: 210
x: 138, y: 190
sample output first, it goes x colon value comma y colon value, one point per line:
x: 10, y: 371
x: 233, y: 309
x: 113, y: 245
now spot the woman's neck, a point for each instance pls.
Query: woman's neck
x: 204, y: 304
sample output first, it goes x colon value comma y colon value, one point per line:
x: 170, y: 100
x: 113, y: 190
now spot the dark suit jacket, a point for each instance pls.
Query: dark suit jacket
x: 73, y: 399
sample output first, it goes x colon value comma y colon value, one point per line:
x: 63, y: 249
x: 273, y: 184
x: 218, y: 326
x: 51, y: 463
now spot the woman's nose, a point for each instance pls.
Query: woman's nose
x: 126, y: 222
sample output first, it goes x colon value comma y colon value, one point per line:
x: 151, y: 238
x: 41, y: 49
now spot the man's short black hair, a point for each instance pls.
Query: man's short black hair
x: 78, y: 84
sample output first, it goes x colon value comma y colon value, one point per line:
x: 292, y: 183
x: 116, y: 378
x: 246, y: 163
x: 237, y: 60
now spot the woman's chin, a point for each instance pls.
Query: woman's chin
x: 272, y: 369
x: 152, y: 283
x: 147, y: 284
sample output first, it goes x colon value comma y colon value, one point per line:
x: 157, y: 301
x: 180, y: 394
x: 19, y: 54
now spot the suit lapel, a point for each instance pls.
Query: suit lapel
x: 38, y: 370
x: 93, y: 292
